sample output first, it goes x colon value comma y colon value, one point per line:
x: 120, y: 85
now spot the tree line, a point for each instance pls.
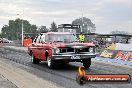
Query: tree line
x: 13, y: 29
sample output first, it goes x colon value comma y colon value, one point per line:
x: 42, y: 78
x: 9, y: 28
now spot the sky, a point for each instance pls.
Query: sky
x: 107, y: 15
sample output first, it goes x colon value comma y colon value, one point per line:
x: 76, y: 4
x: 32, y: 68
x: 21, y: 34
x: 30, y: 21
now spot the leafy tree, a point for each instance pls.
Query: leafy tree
x: 85, y: 23
x: 5, y: 31
x: 43, y: 29
x: 53, y: 27
x: 33, y: 29
x: 14, y: 29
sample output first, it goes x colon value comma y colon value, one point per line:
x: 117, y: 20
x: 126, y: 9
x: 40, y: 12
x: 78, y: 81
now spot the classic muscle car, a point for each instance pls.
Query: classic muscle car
x: 60, y: 47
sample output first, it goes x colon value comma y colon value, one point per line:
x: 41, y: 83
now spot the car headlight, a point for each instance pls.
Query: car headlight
x: 56, y: 50
x: 94, y: 50
x: 91, y: 49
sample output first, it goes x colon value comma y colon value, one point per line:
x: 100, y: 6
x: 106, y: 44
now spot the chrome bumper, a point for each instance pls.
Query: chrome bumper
x: 69, y: 56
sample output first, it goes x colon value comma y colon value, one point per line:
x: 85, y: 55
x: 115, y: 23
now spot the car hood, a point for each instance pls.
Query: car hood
x: 72, y: 45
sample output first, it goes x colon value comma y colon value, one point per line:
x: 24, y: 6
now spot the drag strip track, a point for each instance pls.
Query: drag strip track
x: 65, y: 75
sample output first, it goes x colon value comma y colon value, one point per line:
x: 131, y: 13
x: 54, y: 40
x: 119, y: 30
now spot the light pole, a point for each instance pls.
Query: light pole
x: 82, y: 24
x: 22, y: 26
x: 22, y: 33
x: 22, y: 29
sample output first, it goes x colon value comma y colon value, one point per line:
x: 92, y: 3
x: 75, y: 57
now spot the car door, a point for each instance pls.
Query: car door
x: 42, y: 48
x: 33, y: 47
x: 36, y: 47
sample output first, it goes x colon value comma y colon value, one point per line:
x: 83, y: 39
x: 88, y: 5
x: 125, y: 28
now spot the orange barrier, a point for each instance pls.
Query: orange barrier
x: 27, y: 42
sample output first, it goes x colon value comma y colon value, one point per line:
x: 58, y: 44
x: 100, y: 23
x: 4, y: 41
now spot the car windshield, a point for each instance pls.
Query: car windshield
x: 62, y: 38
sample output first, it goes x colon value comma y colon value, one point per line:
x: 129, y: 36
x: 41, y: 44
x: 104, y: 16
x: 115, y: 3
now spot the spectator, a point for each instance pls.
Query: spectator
x: 81, y: 37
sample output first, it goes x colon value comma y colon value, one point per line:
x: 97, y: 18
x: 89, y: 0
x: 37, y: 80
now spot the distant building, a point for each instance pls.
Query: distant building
x: 68, y: 28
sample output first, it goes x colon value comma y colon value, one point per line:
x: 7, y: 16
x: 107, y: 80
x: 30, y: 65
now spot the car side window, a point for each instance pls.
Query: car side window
x: 38, y: 39
x: 34, y: 41
x: 46, y: 38
x: 42, y: 39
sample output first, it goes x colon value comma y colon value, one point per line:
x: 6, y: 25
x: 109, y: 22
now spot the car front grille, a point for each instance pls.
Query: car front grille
x: 74, y: 50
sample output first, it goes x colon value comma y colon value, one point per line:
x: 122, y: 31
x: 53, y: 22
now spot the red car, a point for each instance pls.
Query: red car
x: 60, y: 47
x: 1, y: 40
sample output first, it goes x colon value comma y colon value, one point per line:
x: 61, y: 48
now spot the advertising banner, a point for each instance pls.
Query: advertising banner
x: 120, y: 56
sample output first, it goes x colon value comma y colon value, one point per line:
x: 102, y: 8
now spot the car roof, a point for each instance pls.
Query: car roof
x: 57, y: 33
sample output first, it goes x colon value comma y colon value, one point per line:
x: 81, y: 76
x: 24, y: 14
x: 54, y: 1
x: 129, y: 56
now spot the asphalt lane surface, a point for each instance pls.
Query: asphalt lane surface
x: 5, y: 83
x: 65, y: 75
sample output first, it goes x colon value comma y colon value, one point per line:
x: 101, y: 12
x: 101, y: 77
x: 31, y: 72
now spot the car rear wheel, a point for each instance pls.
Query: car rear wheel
x: 87, y: 63
x: 50, y: 62
x: 34, y: 60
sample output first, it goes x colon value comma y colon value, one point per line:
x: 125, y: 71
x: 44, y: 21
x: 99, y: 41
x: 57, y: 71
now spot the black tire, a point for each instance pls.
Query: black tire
x: 34, y: 60
x: 51, y: 63
x: 87, y: 63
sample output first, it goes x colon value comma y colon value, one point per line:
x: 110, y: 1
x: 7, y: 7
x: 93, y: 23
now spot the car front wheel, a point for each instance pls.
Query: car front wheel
x: 34, y: 60
x: 87, y: 63
x: 50, y: 62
